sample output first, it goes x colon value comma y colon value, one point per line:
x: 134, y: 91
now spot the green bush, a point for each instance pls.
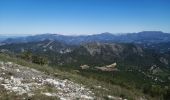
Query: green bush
x: 39, y: 60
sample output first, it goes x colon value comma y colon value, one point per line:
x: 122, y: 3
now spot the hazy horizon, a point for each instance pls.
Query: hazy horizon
x: 83, y: 17
x: 18, y: 35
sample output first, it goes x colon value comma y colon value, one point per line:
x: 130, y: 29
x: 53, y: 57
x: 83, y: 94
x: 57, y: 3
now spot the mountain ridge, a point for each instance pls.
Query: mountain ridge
x: 140, y: 37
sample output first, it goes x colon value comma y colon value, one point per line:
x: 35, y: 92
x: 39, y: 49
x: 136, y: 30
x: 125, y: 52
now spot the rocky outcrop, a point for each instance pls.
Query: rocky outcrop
x: 113, y: 50
x: 23, y: 80
x: 111, y: 67
x: 97, y: 48
x: 155, y: 69
x: 84, y: 67
x: 164, y: 60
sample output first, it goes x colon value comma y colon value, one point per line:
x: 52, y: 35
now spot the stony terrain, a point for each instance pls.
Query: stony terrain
x: 24, y: 80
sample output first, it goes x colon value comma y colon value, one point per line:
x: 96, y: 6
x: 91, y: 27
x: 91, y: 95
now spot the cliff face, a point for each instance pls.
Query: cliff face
x: 113, y: 50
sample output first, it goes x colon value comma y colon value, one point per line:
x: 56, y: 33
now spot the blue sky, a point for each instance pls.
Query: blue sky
x: 83, y: 16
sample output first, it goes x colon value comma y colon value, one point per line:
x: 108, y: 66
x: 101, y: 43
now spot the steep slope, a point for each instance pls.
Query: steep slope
x: 27, y: 82
x: 158, y: 47
x: 98, y: 54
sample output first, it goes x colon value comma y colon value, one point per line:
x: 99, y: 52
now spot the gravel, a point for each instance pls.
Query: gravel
x: 25, y: 80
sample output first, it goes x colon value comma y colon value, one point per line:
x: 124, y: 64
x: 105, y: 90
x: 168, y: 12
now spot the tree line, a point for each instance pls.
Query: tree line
x: 29, y: 56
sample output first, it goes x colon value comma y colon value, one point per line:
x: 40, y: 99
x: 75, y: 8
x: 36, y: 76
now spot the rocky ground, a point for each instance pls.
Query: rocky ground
x: 23, y: 80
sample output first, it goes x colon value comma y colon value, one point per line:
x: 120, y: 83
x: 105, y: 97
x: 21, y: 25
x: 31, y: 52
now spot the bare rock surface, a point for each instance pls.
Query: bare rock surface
x: 111, y: 67
x: 24, y: 80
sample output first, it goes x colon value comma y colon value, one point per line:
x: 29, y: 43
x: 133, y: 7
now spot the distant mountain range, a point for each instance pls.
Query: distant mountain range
x: 3, y: 37
x: 141, y: 37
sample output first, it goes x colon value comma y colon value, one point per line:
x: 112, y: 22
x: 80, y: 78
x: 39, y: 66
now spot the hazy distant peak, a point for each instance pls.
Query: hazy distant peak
x: 106, y: 33
x: 151, y: 32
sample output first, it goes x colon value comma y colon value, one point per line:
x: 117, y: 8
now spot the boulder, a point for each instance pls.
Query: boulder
x: 85, y: 67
